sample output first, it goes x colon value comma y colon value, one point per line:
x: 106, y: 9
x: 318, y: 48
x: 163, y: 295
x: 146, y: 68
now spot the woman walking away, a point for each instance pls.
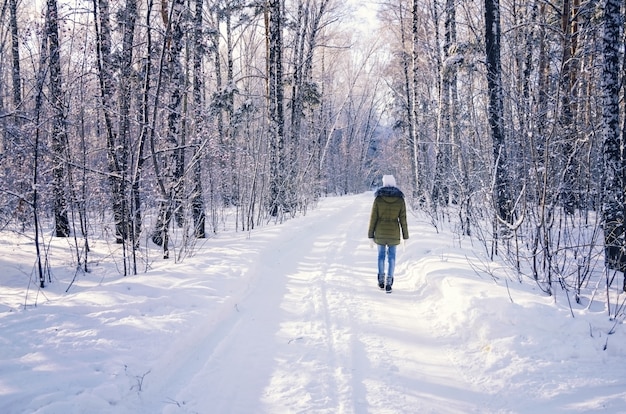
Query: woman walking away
x: 388, y: 218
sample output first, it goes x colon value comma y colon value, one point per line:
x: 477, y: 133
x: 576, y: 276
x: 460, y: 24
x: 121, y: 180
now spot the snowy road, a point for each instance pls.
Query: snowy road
x: 289, y: 319
x: 313, y: 333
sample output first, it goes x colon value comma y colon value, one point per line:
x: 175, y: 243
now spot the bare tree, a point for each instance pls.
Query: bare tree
x: 569, y: 82
x: 59, y: 127
x: 122, y: 155
x: 16, y: 73
x: 502, y: 198
x: 13, y: 146
x: 278, y: 160
x: 117, y: 138
x: 614, y: 157
x: 173, y: 161
x: 197, y: 198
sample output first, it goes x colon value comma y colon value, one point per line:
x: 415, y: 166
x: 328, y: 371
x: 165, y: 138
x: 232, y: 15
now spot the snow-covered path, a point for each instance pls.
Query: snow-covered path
x: 314, y: 333
x: 289, y: 319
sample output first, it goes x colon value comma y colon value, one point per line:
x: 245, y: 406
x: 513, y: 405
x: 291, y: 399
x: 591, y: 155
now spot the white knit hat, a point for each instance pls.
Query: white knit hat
x: 389, y: 181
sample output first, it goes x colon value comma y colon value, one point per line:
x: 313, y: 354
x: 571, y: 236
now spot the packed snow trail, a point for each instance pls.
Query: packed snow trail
x: 313, y: 333
x: 289, y: 319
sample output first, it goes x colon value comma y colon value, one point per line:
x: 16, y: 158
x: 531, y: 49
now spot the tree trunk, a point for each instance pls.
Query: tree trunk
x: 277, y: 202
x: 197, y: 198
x: 613, y: 184
x: 229, y: 105
x: 176, y: 133
x: 569, y: 26
x: 16, y: 76
x: 106, y: 70
x: 443, y: 162
x: 412, y: 96
x: 41, y: 78
x: 297, y: 79
x: 170, y: 203
x: 14, y: 147
x: 409, y: 78
x: 217, y: 104
x: 59, y: 127
x: 495, y: 114
x: 122, y: 150
x: 144, y: 117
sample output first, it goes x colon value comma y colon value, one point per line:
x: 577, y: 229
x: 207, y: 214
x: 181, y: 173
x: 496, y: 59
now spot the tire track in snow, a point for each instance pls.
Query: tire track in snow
x: 322, y: 380
x: 347, y: 367
x: 231, y: 364
x: 334, y: 308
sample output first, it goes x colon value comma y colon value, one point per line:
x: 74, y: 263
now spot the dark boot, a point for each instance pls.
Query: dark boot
x: 381, y: 281
x: 389, y: 283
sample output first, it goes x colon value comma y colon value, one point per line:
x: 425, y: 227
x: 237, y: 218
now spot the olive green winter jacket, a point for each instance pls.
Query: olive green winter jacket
x: 388, y: 217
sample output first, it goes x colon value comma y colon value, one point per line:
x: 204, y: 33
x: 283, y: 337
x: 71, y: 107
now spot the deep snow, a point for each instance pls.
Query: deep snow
x: 288, y: 319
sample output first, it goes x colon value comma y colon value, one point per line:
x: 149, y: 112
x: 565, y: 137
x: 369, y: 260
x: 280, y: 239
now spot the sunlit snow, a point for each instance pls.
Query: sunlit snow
x: 288, y: 319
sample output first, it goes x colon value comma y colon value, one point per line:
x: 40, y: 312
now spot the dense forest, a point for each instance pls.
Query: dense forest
x: 135, y: 119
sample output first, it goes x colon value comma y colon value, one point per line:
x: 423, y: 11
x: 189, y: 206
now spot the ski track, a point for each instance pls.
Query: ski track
x: 309, y: 329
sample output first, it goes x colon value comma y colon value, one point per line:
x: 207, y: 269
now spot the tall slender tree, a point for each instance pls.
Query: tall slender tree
x: 116, y: 115
x: 15, y: 147
x: 171, y: 204
x: 278, y: 161
x: 197, y: 198
x: 16, y: 73
x: 412, y: 94
x: 442, y: 181
x: 123, y: 219
x: 569, y: 26
x: 59, y: 127
x: 614, y: 160
x: 495, y: 115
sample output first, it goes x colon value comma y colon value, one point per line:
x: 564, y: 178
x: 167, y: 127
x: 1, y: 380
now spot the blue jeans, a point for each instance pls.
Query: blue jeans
x: 389, y: 252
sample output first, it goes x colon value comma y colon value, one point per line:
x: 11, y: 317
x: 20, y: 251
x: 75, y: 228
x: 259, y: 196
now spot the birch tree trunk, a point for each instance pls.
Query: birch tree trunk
x: 144, y: 119
x: 412, y: 96
x: 277, y: 202
x: 216, y: 162
x: 223, y: 102
x: 443, y: 162
x: 106, y: 70
x: 122, y: 151
x: 623, y: 163
x: 230, y: 148
x: 12, y: 143
x: 171, y: 182
x: 569, y: 26
x: 409, y: 61
x: 613, y: 180
x: 304, y: 91
x: 59, y: 127
x: 502, y: 199
x: 40, y: 81
x: 16, y: 74
x: 197, y: 198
